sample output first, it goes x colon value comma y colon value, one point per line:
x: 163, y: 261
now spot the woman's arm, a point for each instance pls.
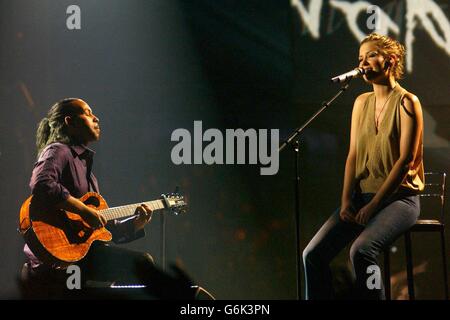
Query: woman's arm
x: 411, y: 130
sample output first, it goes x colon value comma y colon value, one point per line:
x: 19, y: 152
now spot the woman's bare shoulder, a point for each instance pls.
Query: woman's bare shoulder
x: 410, y: 102
x: 410, y: 96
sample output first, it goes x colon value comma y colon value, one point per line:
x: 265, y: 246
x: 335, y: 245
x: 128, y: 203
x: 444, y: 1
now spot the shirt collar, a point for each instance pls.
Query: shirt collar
x: 80, y: 149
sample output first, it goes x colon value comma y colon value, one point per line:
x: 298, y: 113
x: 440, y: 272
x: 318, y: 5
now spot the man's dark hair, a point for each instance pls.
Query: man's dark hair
x: 52, y: 128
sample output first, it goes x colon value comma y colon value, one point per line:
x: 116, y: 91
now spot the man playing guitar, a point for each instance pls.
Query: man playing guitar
x: 62, y: 175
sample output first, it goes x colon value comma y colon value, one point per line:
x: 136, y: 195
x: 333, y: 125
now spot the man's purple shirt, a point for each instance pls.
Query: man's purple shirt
x: 62, y: 171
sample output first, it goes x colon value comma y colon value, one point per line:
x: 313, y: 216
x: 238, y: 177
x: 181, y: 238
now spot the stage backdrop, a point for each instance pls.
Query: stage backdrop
x: 148, y: 68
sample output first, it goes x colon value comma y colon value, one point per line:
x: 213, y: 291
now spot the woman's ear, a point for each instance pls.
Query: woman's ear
x: 392, y: 59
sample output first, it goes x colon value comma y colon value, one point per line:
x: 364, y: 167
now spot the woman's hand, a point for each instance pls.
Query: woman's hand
x: 144, y: 214
x: 365, y: 213
x: 346, y: 213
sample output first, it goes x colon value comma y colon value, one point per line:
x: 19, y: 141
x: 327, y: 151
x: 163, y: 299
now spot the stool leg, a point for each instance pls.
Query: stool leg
x: 444, y: 263
x: 387, y: 274
x: 409, y: 265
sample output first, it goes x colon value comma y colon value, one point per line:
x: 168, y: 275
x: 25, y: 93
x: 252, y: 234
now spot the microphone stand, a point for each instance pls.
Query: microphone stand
x: 294, y: 143
x: 163, y: 240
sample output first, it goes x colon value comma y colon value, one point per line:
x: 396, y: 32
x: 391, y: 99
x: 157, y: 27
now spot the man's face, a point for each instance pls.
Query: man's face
x: 85, y: 126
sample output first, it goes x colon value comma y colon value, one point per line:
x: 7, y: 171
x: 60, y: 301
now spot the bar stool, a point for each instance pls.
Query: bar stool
x: 434, y: 189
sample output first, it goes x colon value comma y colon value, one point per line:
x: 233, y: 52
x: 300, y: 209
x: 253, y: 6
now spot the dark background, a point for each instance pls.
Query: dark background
x: 149, y: 67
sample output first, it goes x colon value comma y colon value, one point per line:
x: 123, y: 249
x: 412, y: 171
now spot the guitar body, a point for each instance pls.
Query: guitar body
x: 58, y: 237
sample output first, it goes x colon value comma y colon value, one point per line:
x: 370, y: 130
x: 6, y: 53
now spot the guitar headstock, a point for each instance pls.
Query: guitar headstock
x: 175, y: 202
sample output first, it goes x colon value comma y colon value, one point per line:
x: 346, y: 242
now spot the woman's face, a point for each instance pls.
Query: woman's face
x: 85, y: 126
x: 371, y: 58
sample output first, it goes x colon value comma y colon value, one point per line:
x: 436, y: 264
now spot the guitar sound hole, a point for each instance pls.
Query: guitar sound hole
x: 94, y: 201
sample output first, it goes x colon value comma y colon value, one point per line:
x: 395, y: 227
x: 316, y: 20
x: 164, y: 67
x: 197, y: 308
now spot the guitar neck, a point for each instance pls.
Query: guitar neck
x: 128, y: 210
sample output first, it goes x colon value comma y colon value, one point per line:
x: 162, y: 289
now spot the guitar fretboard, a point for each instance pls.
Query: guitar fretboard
x: 128, y: 210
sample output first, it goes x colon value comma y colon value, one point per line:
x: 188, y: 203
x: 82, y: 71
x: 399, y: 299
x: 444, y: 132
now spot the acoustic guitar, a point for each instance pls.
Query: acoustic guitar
x: 60, y: 238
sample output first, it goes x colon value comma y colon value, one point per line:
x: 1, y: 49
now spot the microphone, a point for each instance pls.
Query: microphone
x: 348, y: 75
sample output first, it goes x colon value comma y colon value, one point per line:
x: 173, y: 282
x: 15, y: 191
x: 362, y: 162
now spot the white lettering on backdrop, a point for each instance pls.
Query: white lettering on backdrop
x: 424, y: 12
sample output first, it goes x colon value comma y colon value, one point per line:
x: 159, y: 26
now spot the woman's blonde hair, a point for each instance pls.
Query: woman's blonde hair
x: 387, y: 47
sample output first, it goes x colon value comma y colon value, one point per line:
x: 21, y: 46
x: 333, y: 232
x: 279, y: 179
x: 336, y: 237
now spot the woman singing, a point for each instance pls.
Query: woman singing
x: 383, y: 174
